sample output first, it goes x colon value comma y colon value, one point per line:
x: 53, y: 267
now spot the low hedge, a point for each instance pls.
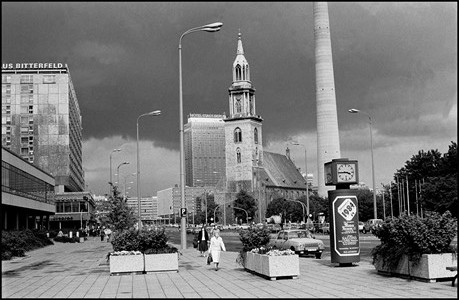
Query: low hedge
x: 16, y: 243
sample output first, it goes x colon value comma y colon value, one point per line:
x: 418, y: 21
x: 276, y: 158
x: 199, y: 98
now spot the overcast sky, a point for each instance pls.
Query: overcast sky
x: 395, y: 61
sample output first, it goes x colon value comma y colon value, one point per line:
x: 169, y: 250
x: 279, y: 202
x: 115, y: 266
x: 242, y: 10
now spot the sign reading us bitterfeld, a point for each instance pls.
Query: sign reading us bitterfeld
x: 345, y: 229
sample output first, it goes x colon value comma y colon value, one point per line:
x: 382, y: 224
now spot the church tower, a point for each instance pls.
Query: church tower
x: 243, y: 129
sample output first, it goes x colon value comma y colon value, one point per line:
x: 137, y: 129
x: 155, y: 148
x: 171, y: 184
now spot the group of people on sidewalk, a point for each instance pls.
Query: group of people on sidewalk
x: 212, y: 246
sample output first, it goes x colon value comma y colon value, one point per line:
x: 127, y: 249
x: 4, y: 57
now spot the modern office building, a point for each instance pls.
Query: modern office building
x: 27, y: 194
x: 41, y: 120
x: 204, y: 143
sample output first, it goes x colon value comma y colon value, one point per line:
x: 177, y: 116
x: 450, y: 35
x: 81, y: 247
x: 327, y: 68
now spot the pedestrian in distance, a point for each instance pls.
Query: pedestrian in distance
x: 216, y: 246
x: 102, y: 234
x: 108, y: 233
x: 203, y: 240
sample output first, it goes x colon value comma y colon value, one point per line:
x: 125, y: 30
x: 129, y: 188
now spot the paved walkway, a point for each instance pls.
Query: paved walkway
x: 81, y: 271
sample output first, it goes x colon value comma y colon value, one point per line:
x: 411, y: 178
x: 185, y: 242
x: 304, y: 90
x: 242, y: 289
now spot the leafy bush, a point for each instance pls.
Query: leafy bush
x: 16, y: 243
x: 145, y: 241
x: 126, y: 240
x: 251, y: 238
x: 414, y: 236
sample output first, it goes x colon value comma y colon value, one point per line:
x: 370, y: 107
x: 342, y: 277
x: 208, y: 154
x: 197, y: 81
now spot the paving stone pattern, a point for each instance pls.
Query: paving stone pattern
x: 81, y: 271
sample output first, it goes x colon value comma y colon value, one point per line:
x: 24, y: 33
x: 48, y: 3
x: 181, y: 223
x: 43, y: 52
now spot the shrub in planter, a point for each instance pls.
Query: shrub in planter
x: 145, y: 241
x: 251, y: 238
x: 413, y: 236
x: 126, y: 240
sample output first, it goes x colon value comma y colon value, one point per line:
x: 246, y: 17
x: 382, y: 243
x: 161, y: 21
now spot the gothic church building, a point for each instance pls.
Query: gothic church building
x: 263, y: 174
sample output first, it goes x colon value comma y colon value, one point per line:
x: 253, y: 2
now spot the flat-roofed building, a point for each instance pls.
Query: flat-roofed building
x: 204, y: 143
x: 41, y: 120
x: 27, y: 194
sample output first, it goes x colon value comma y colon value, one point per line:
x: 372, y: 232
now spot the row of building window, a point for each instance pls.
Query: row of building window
x: 16, y: 181
x: 29, y: 78
x: 71, y: 207
x: 238, y: 135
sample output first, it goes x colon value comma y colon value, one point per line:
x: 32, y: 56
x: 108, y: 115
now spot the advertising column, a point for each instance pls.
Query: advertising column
x: 344, y: 226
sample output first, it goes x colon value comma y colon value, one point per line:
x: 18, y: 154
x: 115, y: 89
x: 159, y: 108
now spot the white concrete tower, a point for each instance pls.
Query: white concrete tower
x: 328, y: 147
x: 243, y: 130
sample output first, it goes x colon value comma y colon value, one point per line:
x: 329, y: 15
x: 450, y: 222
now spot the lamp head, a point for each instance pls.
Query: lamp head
x: 154, y: 113
x: 354, y: 111
x: 216, y: 25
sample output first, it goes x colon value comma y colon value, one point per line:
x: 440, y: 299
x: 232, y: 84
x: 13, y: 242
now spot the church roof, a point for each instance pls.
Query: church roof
x: 278, y: 170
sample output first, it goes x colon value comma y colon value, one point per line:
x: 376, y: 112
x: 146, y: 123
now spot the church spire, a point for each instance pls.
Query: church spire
x: 240, y: 65
x: 240, y: 50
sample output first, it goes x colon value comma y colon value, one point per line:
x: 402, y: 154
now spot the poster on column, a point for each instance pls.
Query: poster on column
x: 346, y: 229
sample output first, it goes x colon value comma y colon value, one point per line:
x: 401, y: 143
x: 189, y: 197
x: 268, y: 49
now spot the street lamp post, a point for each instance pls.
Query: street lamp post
x: 306, y: 170
x: 152, y: 113
x: 209, y: 28
x: 246, y: 213
x: 118, y: 171
x: 205, y: 198
x: 111, y: 182
x: 125, y: 179
x: 302, y: 204
x: 354, y: 111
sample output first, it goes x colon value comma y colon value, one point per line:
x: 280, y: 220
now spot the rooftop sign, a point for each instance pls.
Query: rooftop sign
x: 22, y: 66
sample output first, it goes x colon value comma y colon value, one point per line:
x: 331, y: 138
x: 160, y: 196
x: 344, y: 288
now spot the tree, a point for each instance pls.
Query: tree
x: 317, y: 205
x: 121, y: 216
x: 246, y: 202
x: 200, y: 216
x: 436, y: 177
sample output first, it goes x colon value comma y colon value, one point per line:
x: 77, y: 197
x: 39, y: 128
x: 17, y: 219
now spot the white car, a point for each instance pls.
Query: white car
x: 300, y: 241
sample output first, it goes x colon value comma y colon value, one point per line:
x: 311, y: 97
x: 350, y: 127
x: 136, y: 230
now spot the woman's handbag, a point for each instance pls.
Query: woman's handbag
x: 209, y: 258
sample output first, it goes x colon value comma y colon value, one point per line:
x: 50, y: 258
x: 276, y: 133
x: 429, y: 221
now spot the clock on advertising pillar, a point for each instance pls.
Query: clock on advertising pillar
x: 341, y: 171
x: 343, y: 211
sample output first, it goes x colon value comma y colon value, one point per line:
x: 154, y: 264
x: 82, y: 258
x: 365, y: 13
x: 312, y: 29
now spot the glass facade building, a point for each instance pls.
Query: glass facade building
x: 204, y: 140
x: 41, y: 120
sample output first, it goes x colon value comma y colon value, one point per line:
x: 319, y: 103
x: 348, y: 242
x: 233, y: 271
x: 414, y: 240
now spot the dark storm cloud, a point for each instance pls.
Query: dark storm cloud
x: 397, y: 61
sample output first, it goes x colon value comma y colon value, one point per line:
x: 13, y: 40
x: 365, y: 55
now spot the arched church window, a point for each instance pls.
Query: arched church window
x: 238, y: 105
x: 237, y: 135
x: 238, y: 72
x: 251, y: 104
x: 238, y: 155
x: 247, y: 77
x: 255, y: 135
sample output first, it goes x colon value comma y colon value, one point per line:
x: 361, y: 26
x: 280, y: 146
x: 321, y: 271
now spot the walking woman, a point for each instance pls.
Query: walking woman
x: 203, y: 240
x: 216, y: 246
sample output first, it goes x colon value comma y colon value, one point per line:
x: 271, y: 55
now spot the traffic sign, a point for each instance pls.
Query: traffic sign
x: 183, y: 211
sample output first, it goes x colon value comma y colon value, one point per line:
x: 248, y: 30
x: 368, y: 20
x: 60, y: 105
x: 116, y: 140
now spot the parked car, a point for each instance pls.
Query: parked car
x: 298, y: 240
x: 361, y: 226
x: 371, y: 224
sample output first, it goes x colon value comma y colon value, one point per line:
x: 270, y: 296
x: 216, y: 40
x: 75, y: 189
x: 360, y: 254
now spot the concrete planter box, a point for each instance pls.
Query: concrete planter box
x: 161, y: 262
x: 126, y: 263
x: 431, y: 267
x: 273, y: 266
